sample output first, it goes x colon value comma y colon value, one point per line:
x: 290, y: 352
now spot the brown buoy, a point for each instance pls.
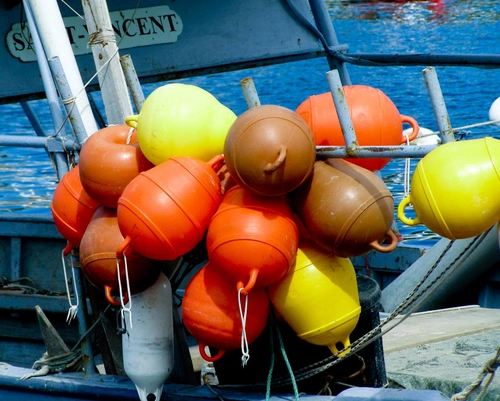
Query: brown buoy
x: 270, y: 150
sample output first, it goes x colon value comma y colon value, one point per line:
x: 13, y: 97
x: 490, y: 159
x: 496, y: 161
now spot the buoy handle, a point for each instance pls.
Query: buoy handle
x: 214, y: 358
x: 270, y: 167
x: 245, y: 289
x: 123, y: 247
x: 132, y: 120
x: 414, y: 125
x: 401, y: 213
x: 216, y: 162
x: 67, y: 249
x: 386, y: 248
x: 113, y: 301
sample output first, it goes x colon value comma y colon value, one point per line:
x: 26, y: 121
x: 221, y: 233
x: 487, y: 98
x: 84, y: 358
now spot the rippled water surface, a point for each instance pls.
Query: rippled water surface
x: 27, y: 178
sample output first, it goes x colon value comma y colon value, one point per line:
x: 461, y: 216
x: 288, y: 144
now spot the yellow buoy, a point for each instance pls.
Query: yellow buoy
x: 455, y: 189
x: 181, y: 120
x: 319, y: 298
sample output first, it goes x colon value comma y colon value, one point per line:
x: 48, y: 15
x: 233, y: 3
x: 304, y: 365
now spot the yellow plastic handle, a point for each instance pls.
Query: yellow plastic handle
x: 132, y: 120
x: 401, y: 213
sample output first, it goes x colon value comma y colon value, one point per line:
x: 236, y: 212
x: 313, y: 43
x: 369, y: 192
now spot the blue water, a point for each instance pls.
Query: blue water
x: 27, y: 178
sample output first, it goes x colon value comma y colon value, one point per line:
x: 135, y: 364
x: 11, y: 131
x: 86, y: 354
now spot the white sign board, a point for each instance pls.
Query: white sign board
x: 132, y: 28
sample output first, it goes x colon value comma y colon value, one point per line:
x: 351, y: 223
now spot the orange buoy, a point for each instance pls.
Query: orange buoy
x: 375, y: 118
x: 269, y: 150
x: 164, y: 212
x: 211, y: 313
x: 346, y: 209
x: 72, y: 208
x: 99, y: 263
x: 109, y: 160
x: 252, y: 240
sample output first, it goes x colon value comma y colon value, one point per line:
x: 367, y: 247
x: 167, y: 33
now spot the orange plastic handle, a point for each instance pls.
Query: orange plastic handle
x: 214, y: 358
x: 414, y: 125
x: 250, y: 284
x: 386, y: 248
x: 113, y: 301
x: 67, y: 249
x: 216, y: 162
x: 122, y: 249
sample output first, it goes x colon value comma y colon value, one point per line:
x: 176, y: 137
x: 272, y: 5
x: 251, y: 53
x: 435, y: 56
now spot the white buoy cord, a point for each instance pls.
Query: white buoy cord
x: 406, y: 180
x: 245, y: 355
x: 129, y: 135
x: 73, y: 308
x: 124, y: 308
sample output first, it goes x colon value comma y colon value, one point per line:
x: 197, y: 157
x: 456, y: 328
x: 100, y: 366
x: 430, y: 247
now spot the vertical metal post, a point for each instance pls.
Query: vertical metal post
x: 133, y: 83
x: 15, y: 258
x: 339, y: 100
x: 325, y: 26
x: 53, y: 35
x: 86, y: 344
x: 68, y: 100
x: 250, y: 92
x: 438, y: 104
x: 50, y: 92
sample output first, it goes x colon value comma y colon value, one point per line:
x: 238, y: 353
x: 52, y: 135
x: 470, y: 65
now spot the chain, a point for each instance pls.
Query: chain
x: 410, y: 300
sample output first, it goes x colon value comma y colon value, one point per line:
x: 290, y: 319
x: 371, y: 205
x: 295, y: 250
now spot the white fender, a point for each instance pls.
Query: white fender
x: 494, y: 112
x: 148, y: 346
x: 425, y: 137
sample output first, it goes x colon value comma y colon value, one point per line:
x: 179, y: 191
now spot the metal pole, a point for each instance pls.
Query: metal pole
x: 82, y: 314
x: 250, y: 92
x: 68, y: 100
x: 50, y: 92
x: 339, y: 100
x: 401, y: 151
x: 325, y: 26
x: 56, y: 43
x: 438, y: 104
x: 133, y: 83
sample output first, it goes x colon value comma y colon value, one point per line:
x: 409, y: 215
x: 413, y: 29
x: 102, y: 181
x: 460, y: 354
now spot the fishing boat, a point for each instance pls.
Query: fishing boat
x: 49, y: 51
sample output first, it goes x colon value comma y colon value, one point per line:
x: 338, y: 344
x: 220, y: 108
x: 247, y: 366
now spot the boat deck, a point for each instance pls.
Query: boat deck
x: 443, y: 349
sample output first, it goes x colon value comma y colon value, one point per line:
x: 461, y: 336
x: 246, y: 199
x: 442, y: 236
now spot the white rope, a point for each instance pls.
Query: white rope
x: 488, y: 369
x: 124, y: 308
x: 407, y: 172
x: 245, y: 355
x: 73, y: 308
x: 129, y: 135
x: 72, y: 9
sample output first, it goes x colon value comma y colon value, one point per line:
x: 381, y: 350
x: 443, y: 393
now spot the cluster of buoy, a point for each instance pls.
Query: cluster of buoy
x: 279, y: 225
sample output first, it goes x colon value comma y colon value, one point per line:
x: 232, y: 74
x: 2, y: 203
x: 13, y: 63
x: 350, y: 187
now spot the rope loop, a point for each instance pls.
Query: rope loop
x: 124, y: 309
x: 245, y: 355
x: 73, y: 308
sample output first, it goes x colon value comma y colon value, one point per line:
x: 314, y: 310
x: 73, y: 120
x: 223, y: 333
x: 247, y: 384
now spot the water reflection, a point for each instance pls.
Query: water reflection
x: 27, y: 177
